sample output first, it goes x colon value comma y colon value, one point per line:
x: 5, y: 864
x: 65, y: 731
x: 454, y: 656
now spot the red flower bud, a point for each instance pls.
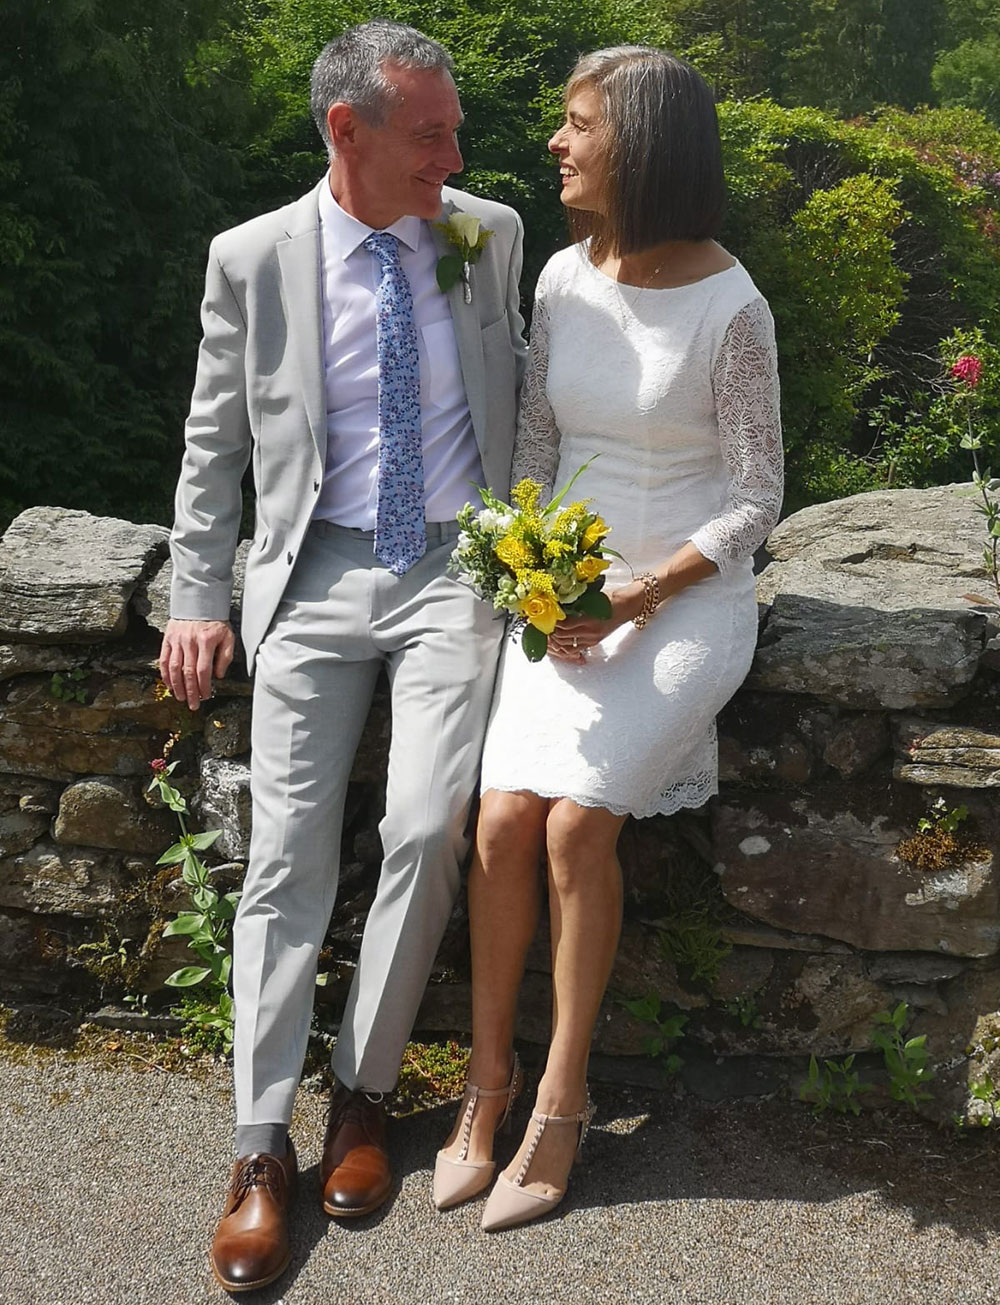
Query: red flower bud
x: 158, y: 766
x: 968, y: 369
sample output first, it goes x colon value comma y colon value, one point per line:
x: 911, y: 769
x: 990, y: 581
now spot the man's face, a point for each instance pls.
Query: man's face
x: 402, y: 165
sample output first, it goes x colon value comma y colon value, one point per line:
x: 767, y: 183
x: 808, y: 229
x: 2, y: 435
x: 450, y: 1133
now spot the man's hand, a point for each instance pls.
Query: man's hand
x: 192, y: 652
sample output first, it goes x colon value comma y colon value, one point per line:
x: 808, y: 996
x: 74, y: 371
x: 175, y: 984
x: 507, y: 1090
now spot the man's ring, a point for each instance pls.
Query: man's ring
x: 575, y: 641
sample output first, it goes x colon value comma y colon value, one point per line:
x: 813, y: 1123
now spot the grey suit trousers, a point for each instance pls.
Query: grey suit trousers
x: 344, y: 616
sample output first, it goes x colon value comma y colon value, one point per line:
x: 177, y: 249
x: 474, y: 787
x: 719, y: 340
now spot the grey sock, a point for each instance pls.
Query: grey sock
x: 261, y: 1139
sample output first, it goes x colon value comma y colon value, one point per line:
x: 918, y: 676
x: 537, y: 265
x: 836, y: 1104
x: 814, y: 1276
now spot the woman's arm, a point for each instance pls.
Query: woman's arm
x: 745, y: 386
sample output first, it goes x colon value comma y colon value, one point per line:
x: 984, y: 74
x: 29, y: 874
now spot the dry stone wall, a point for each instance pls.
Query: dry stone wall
x: 780, y: 920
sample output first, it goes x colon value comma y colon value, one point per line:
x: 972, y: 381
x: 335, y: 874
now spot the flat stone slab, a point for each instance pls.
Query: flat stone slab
x: 67, y: 576
x: 807, y: 864
x: 867, y: 605
x: 937, y: 752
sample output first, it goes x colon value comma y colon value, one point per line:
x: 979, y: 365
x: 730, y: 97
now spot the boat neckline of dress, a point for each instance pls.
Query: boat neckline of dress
x: 662, y: 289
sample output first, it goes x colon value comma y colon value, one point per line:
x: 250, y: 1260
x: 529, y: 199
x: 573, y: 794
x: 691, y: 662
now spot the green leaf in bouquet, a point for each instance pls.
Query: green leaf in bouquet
x: 593, y: 603
x: 554, y: 503
x: 534, y: 643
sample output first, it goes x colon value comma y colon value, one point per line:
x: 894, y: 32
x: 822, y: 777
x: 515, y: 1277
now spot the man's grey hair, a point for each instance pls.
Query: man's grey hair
x: 351, y: 69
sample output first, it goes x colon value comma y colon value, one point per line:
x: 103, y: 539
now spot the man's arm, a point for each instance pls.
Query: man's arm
x: 514, y: 316
x: 199, y: 641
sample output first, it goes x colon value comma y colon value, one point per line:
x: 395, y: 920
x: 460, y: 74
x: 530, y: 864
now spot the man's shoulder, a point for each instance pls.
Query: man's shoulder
x: 490, y: 211
x: 263, y: 232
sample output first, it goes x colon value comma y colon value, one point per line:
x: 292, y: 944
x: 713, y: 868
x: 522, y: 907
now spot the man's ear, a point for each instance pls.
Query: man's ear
x: 342, y: 123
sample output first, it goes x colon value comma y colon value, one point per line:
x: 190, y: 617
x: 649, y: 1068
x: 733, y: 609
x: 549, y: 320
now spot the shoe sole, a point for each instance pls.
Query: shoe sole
x: 250, y: 1286
x: 355, y: 1212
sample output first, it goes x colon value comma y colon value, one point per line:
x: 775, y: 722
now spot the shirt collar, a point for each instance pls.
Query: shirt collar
x: 348, y: 233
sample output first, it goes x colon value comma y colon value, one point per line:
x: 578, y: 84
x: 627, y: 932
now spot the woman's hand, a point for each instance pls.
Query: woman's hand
x: 573, y: 638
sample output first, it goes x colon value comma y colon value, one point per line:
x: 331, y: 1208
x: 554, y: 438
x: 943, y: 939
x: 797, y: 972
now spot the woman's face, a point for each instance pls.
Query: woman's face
x: 579, y: 145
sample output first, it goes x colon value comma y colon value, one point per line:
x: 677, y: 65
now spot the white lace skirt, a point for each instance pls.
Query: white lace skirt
x: 633, y: 729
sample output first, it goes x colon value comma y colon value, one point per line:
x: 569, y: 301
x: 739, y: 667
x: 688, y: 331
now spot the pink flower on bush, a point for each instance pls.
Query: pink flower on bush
x: 967, y: 369
x: 158, y: 766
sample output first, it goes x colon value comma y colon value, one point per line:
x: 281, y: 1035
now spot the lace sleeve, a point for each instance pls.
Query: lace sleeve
x: 745, y: 385
x: 536, y: 445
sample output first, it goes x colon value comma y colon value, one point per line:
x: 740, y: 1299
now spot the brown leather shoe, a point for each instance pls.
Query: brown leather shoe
x: 251, y: 1242
x: 355, y: 1172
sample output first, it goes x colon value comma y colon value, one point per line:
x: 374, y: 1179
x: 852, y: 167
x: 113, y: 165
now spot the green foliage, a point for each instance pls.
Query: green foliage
x: 875, y: 243
x: 693, y: 940
x: 113, y: 174
x: 943, y: 817
x: 130, y: 133
x: 835, y: 1086
x: 666, y: 1027
x: 68, y: 688
x: 906, y: 1059
x: 207, y: 928
x: 986, y: 1091
x: 744, y: 1010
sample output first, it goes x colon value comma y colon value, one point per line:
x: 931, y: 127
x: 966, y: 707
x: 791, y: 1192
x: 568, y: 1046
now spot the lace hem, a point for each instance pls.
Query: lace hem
x: 685, y: 795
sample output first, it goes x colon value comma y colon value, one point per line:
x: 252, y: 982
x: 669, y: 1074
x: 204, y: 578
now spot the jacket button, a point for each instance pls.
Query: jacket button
x: 290, y: 559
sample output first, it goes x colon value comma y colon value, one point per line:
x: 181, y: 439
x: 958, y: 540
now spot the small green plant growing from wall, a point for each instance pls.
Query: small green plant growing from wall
x: 666, y: 1028
x: 206, y: 1004
x: 937, y: 842
x: 834, y: 1085
x: 907, y: 1060
x: 68, y: 687
x: 837, y: 1085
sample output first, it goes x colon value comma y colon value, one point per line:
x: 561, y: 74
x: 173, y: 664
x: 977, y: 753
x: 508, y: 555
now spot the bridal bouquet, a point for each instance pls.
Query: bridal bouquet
x: 540, y: 563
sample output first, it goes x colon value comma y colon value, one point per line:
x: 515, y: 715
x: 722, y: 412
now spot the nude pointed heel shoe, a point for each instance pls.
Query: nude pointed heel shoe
x: 460, y: 1179
x: 509, y: 1203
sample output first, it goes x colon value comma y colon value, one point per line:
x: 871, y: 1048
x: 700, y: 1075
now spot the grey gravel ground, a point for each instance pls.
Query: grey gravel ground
x: 112, y: 1180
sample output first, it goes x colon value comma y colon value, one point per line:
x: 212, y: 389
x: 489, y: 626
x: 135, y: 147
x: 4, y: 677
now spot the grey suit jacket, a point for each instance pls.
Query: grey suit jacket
x: 260, y: 393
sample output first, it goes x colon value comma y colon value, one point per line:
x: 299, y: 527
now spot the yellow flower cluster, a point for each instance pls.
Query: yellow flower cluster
x: 515, y: 553
x: 526, y: 494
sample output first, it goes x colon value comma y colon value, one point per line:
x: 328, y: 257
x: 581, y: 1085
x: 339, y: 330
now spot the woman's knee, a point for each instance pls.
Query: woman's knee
x: 579, y: 838
x: 511, y: 825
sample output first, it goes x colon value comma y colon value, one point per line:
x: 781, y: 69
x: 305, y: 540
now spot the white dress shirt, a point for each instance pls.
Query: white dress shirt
x: 350, y: 279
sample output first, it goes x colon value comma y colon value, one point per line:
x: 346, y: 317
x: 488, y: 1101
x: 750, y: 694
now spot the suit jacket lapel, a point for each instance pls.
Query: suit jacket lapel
x: 302, y: 299
x: 467, y: 335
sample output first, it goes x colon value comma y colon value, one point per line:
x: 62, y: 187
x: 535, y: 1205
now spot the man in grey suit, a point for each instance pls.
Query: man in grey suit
x: 367, y: 400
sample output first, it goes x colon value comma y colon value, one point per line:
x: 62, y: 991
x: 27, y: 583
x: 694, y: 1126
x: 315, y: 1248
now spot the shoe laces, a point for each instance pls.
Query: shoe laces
x: 355, y: 1108
x: 256, y: 1171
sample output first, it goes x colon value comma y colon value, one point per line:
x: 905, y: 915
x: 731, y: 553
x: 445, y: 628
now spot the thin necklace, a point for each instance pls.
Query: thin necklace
x: 624, y: 306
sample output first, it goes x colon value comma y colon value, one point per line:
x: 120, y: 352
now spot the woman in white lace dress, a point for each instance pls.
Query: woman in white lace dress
x: 651, y: 346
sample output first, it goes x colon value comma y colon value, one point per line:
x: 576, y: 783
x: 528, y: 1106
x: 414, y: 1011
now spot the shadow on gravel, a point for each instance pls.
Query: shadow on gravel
x: 647, y: 1146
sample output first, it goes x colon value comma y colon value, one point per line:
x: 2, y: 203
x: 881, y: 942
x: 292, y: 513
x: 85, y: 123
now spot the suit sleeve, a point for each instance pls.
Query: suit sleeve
x: 514, y: 317
x: 208, y: 503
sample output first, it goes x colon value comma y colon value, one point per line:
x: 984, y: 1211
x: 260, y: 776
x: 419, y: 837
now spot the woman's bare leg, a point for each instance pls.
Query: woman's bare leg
x: 585, y: 908
x: 504, y: 897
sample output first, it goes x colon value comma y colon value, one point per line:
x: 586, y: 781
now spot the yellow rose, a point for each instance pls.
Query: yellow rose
x: 589, y: 568
x: 465, y: 226
x: 594, y: 533
x: 541, y: 610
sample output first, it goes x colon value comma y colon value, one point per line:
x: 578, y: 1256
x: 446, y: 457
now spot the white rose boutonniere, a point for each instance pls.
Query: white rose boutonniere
x: 468, y: 235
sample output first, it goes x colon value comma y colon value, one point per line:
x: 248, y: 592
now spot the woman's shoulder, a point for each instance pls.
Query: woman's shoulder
x: 564, y: 267
x: 736, y: 290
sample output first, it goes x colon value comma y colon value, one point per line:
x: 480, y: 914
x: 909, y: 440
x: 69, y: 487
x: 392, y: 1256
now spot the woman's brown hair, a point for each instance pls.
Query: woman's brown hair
x: 664, y: 158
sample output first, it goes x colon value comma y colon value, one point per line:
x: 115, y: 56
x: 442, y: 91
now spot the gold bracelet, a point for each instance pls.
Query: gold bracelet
x: 650, y: 598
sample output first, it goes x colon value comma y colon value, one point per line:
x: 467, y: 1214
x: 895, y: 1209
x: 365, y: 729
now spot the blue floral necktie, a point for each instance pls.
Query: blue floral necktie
x: 400, y: 531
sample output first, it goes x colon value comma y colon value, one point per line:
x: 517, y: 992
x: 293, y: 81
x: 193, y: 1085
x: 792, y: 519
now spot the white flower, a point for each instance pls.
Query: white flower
x: 465, y: 226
